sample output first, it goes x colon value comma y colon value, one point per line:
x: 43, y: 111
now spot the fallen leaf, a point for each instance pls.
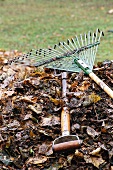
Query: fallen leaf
x: 37, y: 160
x: 28, y: 116
x: 35, y: 108
x: 32, y: 80
x: 9, y: 93
x: 79, y: 154
x: 43, y: 148
x: 96, y: 161
x: 85, y: 85
x: 32, y: 135
x: 92, y: 98
x: 69, y: 158
x: 27, y: 99
x: 50, y: 121
x: 14, y: 124
x: 95, y: 152
x: 55, y: 101
x: 91, y: 132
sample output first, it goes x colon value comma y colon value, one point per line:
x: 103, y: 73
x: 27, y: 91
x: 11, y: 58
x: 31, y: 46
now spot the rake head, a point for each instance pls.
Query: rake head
x: 62, y: 55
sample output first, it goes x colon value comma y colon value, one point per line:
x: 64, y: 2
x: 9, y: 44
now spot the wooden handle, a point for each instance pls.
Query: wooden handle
x: 65, y: 121
x: 67, y: 145
x: 101, y: 84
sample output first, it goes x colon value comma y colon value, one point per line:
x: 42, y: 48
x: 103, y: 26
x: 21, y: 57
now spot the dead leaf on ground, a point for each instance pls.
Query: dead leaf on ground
x: 85, y: 85
x: 95, y: 152
x: 35, y: 108
x: 50, y: 121
x: 37, y: 160
x: 96, y: 161
x: 91, y: 132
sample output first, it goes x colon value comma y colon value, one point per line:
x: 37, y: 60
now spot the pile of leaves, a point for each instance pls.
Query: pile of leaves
x: 30, y: 108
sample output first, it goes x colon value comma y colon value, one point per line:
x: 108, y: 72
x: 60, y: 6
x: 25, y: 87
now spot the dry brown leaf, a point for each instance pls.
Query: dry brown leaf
x: 50, y: 121
x: 36, y: 108
x: 43, y: 148
x: 28, y: 116
x: 69, y: 158
x: 79, y: 154
x: 95, y: 152
x: 32, y: 80
x: 96, y: 161
x: 37, y: 160
x: 9, y: 93
x: 85, y: 85
x: 32, y: 135
x: 92, y: 98
x: 74, y: 85
x: 27, y: 99
x: 55, y: 101
x: 91, y: 132
x: 14, y: 124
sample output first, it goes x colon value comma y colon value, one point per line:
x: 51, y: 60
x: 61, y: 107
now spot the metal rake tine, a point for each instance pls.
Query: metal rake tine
x: 47, y: 56
x: 85, y: 43
x: 64, y: 46
x: 77, y: 40
x: 38, y: 54
x: 67, y: 46
x: 48, y: 52
x: 74, y: 43
x: 81, y: 53
x: 80, y: 45
x: 48, y: 59
x: 82, y: 42
x: 70, y: 43
x: 96, y: 34
x: 69, y: 51
x: 20, y: 59
x: 98, y: 39
x: 93, y: 52
x: 101, y: 34
x: 89, y: 51
x: 59, y: 47
x: 94, y: 39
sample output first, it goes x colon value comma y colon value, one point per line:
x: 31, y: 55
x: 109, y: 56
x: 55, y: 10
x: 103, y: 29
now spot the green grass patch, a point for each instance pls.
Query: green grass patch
x: 41, y: 23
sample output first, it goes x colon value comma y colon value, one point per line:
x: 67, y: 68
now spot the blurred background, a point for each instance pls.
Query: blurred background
x: 27, y: 24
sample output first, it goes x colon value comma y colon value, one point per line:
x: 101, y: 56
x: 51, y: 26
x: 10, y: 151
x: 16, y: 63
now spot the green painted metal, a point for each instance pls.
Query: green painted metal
x: 81, y: 64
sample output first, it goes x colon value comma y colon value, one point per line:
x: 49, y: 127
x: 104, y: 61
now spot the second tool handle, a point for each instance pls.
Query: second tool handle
x: 101, y: 84
x: 65, y: 116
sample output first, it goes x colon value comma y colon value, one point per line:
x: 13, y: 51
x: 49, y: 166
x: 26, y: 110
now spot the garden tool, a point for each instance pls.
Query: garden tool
x: 65, y: 142
x: 75, y: 55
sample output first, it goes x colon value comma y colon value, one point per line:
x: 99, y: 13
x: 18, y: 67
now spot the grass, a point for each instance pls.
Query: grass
x: 41, y: 23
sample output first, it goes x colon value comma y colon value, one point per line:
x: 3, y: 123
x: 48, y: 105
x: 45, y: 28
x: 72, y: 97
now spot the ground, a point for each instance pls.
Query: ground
x: 30, y: 108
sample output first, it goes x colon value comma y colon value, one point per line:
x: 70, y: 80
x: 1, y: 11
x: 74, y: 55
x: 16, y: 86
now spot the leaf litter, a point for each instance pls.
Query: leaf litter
x: 30, y: 108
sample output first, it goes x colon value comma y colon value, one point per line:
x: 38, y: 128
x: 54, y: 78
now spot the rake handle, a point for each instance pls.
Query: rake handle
x: 67, y: 145
x: 101, y: 84
x: 65, y: 115
x: 65, y: 121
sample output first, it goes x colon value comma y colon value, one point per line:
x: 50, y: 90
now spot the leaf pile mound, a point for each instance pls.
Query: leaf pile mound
x: 30, y: 108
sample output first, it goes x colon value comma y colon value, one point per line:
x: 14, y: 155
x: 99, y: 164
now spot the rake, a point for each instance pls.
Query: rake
x: 75, y: 55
